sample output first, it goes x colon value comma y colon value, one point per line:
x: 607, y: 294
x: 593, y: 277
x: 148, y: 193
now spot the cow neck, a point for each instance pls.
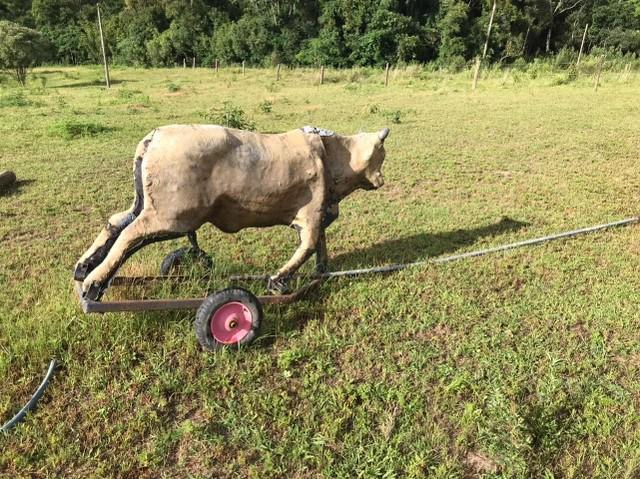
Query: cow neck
x: 342, y: 179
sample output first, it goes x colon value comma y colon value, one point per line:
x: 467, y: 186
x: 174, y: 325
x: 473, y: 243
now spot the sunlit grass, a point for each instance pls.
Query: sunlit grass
x: 525, y: 363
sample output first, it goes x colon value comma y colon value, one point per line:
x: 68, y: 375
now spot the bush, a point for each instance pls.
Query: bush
x: 70, y: 129
x: 230, y: 115
x: 20, y: 49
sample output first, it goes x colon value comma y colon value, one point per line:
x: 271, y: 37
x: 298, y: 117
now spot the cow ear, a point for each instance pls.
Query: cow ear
x: 382, y: 134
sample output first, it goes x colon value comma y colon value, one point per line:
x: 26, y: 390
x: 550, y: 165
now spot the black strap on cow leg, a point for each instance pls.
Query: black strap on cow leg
x: 193, y: 240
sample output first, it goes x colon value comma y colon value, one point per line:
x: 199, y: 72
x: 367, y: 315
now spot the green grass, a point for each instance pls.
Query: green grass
x: 524, y: 364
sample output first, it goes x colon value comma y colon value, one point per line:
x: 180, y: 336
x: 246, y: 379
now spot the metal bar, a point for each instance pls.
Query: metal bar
x: 136, y: 305
x: 133, y: 280
x: 33, y: 401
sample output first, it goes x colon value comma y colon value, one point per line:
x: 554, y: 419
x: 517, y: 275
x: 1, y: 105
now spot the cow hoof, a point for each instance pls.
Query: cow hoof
x: 278, y: 286
x: 174, y: 260
x: 81, y: 272
x: 94, y: 293
x: 322, y: 268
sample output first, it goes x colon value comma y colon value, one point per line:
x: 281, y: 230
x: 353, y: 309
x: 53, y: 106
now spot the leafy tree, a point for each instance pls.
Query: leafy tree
x: 20, y: 49
x: 329, y: 47
x: 247, y: 39
x: 453, y: 26
x: 616, y: 26
x: 337, y: 33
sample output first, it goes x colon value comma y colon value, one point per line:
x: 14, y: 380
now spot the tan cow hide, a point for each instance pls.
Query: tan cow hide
x: 188, y: 175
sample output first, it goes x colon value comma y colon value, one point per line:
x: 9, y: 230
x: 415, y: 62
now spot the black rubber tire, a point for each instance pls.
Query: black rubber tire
x: 7, y: 178
x: 215, y: 301
x: 171, y: 263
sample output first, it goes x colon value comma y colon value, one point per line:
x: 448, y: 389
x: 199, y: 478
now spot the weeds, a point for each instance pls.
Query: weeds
x: 15, y: 98
x: 266, y: 106
x: 394, y: 116
x: 131, y: 98
x: 72, y: 129
x: 230, y: 115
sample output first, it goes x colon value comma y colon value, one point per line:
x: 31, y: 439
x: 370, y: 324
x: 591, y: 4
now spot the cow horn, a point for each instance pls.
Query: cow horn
x: 383, y: 134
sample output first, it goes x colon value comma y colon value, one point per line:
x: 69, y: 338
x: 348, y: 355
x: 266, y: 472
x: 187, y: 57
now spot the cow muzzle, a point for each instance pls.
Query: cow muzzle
x: 377, y: 181
x: 372, y: 183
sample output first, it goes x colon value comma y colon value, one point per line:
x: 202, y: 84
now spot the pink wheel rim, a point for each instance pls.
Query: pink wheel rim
x: 231, y: 323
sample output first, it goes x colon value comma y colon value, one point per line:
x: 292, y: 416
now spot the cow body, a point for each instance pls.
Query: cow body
x: 232, y: 178
x: 188, y: 175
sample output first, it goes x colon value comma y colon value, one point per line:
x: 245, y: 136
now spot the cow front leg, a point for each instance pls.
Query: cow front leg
x: 309, y: 236
x: 103, y: 243
x: 143, y: 230
x: 322, y: 258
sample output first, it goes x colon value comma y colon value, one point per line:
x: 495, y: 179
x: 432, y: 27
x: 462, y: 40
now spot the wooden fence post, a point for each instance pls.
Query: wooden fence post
x: 486, y: 43
x: 597, y: 83
x: 476, y: 74
x: 386, y: 75
x: 193, y: 65
x: 584, y: 36
x: 104, y: 54
x: 242, y: 67
x: 321, y: 74
x: 217, y: 66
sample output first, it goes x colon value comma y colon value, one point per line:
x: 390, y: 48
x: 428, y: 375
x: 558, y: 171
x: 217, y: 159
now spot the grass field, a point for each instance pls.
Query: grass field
x: 525, y: 364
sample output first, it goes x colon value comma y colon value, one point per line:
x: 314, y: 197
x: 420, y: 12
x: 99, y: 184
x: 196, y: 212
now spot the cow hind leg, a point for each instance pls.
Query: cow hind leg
x: 103, y: 243
x: 109, y: 234
x: 144, y: 230
x: 309, y: 236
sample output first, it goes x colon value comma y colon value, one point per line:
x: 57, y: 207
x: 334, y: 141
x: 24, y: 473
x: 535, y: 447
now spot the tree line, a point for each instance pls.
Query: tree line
x: 338, y: 33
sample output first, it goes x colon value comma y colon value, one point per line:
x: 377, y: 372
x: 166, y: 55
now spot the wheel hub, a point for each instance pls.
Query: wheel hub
x: 231, y: 322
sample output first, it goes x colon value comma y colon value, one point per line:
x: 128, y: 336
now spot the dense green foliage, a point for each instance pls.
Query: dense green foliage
x: 330, y: 32
x: 20, y: 48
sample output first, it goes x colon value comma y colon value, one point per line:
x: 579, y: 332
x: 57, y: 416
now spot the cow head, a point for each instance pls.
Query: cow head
x: 369, y: 159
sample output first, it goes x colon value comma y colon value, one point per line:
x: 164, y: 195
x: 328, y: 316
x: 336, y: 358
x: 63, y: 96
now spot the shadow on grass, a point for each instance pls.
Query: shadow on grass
x: 282, y: 320
x: 421, y: 246
x: 402, y: 250
x: 94, y: 83
x: 15, y: 188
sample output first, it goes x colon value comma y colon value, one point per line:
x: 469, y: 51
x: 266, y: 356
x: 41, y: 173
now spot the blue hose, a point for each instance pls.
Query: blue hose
x: 33, y: 401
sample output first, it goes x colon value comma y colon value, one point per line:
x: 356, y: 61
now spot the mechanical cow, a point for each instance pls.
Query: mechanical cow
x: 189, y: 175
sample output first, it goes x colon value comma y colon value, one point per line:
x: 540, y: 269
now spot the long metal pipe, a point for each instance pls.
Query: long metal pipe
x: 456, y: 257
x: 481, y: 252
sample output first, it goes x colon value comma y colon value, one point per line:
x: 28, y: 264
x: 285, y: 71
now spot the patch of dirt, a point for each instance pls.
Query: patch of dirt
x: 479, y: 463
x: 580, y: 330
